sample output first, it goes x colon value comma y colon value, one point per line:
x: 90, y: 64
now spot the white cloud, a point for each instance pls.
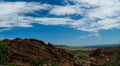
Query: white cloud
x: 103, y: 15
x: 5, y: 29
x: 65, y: 10
x: 96, y: 14
x: 12, y: 13
x: 11, y: 8
x: 83, y: 37
x: 54, y: 21
x: 91, y: 2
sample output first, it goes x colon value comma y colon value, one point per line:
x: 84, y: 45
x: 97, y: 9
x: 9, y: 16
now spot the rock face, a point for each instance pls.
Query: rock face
x: 23, y: 50
x: 99, y: 57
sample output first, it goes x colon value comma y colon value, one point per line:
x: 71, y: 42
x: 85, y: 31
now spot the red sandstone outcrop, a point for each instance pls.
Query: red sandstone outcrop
x: 22, y: 51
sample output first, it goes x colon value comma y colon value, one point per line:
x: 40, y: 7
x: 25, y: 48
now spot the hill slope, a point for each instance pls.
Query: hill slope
x: 32, y: 52
x: 23, y: 50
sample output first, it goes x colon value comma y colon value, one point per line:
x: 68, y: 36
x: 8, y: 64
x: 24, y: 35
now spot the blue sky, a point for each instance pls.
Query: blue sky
x: 70, y: 22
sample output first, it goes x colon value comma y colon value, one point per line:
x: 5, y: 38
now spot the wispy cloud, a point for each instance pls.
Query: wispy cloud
x: 5, y: 29
x: 12, y: 13
x: 66, y: 10
x: 96, y: 15
x: 95, y: 35
x: 81, y: 37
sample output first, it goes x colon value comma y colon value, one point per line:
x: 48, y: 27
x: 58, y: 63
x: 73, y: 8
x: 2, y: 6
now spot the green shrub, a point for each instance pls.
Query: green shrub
x: 34, y: 62
x: 4, y: 53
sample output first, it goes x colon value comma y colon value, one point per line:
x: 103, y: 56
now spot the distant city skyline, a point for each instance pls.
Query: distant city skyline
x: 69, y: 22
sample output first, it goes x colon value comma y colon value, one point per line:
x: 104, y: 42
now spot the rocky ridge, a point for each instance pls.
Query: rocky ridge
x: 23, y: 50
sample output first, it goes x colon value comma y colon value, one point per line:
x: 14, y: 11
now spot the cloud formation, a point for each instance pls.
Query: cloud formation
x: 95, y: 15
x: 12, y: 14
x: 65, y: 10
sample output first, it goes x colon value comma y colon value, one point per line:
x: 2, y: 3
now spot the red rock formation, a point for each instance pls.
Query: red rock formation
x: 99, y: 57
x: 22, y: 51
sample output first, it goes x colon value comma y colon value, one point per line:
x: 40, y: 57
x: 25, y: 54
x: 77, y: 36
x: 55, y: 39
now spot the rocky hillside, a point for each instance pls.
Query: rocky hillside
x: 32, y: 52
x: 23, y: 50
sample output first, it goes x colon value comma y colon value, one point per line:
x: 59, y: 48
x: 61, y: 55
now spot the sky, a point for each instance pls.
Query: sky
x: 68, y: 22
